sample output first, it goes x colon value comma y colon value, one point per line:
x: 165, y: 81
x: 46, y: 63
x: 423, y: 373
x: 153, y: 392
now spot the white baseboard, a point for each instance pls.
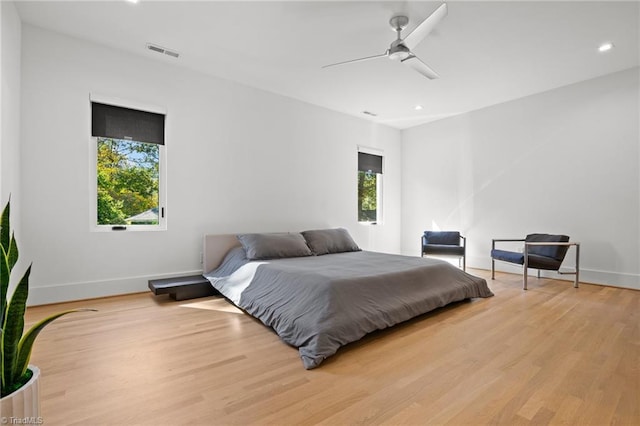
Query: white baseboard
x: 591, y: 276
x: 56, y: 293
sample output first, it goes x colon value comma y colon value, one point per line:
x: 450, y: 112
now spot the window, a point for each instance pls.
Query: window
x: 128, y: 181
x: 369, y: 187
x: 129, y: 168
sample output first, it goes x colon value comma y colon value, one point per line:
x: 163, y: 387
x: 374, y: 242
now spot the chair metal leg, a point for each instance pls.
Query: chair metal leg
x: 526, y: 266
x: 538, y: 273
x: 493, y: 269
x: 577, y: 280
x: 464, y: 263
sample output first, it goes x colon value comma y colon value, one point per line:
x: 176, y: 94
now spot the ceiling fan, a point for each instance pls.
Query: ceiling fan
x: 400, y: 49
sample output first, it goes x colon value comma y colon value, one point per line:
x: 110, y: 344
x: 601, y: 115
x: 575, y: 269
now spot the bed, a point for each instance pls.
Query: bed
x: 319, y: 291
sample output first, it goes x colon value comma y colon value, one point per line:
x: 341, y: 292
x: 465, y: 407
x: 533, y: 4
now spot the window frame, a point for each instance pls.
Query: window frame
x: 93, y: 172
x: 379, y: 186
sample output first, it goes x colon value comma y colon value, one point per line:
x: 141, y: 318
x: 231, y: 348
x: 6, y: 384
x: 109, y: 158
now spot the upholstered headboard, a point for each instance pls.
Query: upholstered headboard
x: 215, y: 248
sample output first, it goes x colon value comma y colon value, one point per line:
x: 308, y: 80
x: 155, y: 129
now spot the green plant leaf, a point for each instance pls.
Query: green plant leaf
x: 8, y: 260
x: 12, y: 332
x: 26, y: 343
x: 4, y: 284
x: 12, y: 254
x: 5, y: 274
x: 5, y: 230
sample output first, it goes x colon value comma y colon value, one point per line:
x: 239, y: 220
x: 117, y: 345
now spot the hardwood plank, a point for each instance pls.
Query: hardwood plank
x: 550, y: 355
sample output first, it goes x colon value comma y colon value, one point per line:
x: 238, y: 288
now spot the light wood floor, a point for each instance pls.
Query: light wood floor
x: 550, y: 355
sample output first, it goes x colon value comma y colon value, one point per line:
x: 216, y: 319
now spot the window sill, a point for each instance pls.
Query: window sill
x: 128, y: 228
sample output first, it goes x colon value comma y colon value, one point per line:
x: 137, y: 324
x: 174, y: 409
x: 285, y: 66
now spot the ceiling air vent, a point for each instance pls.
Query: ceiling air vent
x: 160, y: 49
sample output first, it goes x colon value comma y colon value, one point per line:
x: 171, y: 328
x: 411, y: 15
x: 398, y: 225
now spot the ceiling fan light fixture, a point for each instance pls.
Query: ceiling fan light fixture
x: 399, y: 56
x: 398, y: 51
x: 605, y: 47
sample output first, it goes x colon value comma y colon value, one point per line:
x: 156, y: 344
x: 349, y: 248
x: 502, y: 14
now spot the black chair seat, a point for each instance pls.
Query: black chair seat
x: 535, y: 261
x: 436, y: 249
x: 508, y: 256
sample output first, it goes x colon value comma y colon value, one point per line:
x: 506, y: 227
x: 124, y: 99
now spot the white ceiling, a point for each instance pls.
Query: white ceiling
x: 485, y: 52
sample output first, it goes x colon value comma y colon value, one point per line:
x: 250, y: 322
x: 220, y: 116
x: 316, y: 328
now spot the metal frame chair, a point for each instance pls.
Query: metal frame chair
x: 534, y: 259
x: 445, y: 243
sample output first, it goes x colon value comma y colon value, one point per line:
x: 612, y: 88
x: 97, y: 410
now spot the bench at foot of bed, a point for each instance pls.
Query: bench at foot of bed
x: 182, y: 288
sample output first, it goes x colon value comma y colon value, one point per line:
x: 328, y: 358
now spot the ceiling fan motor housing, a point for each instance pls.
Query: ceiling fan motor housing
x: 399, y: 51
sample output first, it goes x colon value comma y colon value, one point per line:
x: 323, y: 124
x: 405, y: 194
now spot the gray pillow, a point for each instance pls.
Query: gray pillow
x: 274, y: 246
x: 327, y: 241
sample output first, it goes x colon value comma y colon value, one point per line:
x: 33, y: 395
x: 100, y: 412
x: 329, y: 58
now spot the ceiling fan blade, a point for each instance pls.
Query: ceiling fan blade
x: 424, y: 69
x: 384, y: 55
x: 422, y: 30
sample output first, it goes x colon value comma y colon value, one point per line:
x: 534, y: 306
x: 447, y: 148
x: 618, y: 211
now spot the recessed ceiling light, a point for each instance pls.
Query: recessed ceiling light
x: 605, y: 47
x: 133, y: 1
x: 417, y: 107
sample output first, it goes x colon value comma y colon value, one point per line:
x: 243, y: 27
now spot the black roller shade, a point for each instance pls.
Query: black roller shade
x: 369, y: 162
x: 109, y: 121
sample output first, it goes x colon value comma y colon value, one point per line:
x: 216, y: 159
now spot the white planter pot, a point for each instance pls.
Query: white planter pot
x: 25, y: 402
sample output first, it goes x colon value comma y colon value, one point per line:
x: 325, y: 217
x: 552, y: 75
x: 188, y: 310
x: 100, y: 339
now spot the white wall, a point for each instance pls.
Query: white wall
x: 10, y: 114
x: 239, y: 159
x: 563, y: 161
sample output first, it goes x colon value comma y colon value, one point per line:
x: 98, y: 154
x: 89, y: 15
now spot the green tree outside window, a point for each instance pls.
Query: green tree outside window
x: 128, y: 182
x: 367, y: 196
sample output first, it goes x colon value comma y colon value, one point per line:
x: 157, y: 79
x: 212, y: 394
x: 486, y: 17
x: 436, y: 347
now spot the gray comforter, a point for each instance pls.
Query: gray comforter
x: 321, y: 303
